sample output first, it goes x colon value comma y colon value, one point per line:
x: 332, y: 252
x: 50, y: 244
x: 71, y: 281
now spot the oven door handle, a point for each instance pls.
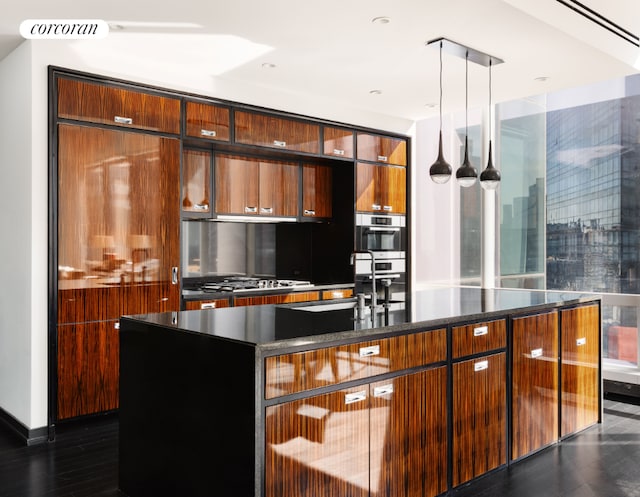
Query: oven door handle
x: 380, y: 228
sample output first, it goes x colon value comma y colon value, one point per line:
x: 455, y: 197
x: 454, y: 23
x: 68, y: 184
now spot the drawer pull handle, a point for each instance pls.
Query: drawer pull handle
x: 581, y: 341
x: 338, y: 151
x: 480, y: 330
x: 279, y: 143
x: 481, y: 365
x: 116, y: 325
x: 201, y: 207
x: 123, y: 120
x: 337, y: 295
x: 369, y: 351
x: 376, y: 207
x: 208, y: 305
x: 174, y: 275
x: 387, y: 208
x: 250, y: 210
x: 383, y: 390
x: 383, y: 158
x: 350, y: 398
x: 536, y: 353
x: 266, y: 210
x: 208, y: 132
x: 309, y: 212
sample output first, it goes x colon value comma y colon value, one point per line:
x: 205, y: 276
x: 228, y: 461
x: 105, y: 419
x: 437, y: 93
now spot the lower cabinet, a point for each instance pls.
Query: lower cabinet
x: 387, y: 438
x: 479, y: 416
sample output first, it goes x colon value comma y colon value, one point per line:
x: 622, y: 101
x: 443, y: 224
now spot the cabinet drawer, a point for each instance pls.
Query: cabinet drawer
x: 207, y: 121
x: 193, y: 305
x: 337, y: 142
x: 426, y: 347
x: 277, y: 299
x: 85, y: 101
x: 276, y: 132
x: 384, y: 149
x: 479, y: 337
x: 341, y: 293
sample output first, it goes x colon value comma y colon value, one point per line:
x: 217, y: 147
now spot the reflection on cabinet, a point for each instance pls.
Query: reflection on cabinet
x: 380, y: 188
x: 479, y: 416
x: 252, y: 186
x: 98, y: 103
x: 196, y: 183
x: 338, y: 142
x: 276, y: 132
x: 208, y: 121
x: 376, y: 148
x: 535, y: 383
x: 580, y: 364
x: 316, y: 190
x: 341, y: 293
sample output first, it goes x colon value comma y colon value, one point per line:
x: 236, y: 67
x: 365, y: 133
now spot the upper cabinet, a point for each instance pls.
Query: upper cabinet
x: 337, y: 142
x: 99, y: 103
x: 384, y: 149
x: 207, y: 121
x: 276, y: 132
x: 196, y: 183
x: 381, y: 188
x: 317, y: 184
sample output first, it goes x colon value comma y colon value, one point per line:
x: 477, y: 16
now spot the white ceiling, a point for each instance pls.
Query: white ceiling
x: 332, y: 49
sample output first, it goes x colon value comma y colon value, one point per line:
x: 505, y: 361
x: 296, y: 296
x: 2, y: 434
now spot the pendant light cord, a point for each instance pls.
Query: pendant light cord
x: 490, y: 128
x: 441, y: 86
x: 466, y: 94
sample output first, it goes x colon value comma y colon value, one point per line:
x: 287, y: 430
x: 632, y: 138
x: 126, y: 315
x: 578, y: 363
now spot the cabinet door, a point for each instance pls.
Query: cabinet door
x: 88, y: 368
x: 535, y: 383
x: 207, y: 121
x: 580, y: 361
x: 380, y: 188
x: 237, y: 184
x: 409, y: 435
x: 316, y: 190
x: 478, y: 338
x: 338, y: 142
x: 94, y: 102
x: 376, y: 148
x: 394, y: 189
x: 276, y: 132
x: 479, y: 416
x: 196, y: 183
x: 278, y: 188
x: 319, y: 446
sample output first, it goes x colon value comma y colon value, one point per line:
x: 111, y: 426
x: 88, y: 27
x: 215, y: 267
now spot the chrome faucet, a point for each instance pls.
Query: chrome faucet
x: 374, y: 294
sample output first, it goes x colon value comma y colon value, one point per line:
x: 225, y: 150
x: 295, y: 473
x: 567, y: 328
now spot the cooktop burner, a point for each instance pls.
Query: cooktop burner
x: 240, y: 283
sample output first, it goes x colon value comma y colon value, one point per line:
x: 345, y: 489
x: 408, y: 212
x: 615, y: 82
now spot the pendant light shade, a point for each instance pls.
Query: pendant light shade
x: 490, y: 177
x: 466, y: 174
x: 440, y: 170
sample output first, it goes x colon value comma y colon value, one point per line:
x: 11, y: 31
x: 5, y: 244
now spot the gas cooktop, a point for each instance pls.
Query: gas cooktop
x: 244, y: 284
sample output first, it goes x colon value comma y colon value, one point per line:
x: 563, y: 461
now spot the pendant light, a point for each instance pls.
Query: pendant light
x: 466, y: 174
x: 490, y: 177
x: 440, y: 170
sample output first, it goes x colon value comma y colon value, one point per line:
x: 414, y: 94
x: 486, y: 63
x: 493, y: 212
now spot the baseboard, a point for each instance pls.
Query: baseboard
x: 30, y: 436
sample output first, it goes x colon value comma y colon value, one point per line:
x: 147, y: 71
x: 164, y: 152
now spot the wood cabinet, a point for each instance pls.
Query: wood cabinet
x: 580, y: 368
x: 285, y: 298
x: 478, y: 338
x: 317, y: 185
x: 253, y: 187
x: 208, y: 121
x: 381, y: 188
x: 385, y: 149
x: 535, y: 383
x: 337, y: 142
x: 116, y: 105
x: 339, y: 293
x: 479, y: 416
x: 271, y: 131
x: 196, y: 183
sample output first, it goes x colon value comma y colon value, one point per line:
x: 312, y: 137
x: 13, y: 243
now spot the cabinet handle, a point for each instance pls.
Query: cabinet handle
x: 266, y: 210
x: 337, y: 295
x: 369, y: 351
x: 309, y: 212
x: 174, y: 275
x: 382, y: 158
x: 278, y: 143
x: 201, y: 207
x: 376, y: 207
x: 536, y: 353
x: 480, y: 330
x: 481, y: 365
x: 208, y: 305
x: 250, y: 210
x: 338, y: 151
x: 387, y: 208
x: 350, y: 398
x: 383, y: 390
x: 116, y: 325
x: 207, y: 132
x: 581, y: 341
x: 123, y: 120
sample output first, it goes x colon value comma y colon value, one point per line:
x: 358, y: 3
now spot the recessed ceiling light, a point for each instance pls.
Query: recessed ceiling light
x: 431, y: 105
x: 268, y: 65
x: 375, y: 92
x: 541, y: 79
x: 381, y: 20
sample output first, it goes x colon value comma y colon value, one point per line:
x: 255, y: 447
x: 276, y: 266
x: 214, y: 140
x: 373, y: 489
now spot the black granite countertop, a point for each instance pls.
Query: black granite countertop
x: 272, y: 327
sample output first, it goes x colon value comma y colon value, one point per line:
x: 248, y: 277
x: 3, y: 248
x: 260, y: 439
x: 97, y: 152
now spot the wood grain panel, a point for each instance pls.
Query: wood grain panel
x: 470, y: 339
x: 341, y: 293
x: 479, y: 417
x: 384, y: 149
x: 535, y: 380
x: 207, y: 121
x: 426, y: 348
x: 318, y: 446
x: 317, y: 187
x: 88, y: 368
x: 276, y: 132
x: 366, y: 188
x: 99, y: 103
x: 338, y: 142
x: 580, y: 359
x: 284, y: 298
x: 196, y: 182
x: 192, y: 305
x: 394, y: 189
x: 380, y: 188
x: 279, y: 186
x: 237, y: 184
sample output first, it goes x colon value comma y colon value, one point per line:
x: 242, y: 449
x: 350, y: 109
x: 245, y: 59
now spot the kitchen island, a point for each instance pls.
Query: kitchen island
x: 414, y: 399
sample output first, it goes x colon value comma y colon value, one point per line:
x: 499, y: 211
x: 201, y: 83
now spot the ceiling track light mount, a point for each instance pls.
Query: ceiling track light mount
x: 464, y: 52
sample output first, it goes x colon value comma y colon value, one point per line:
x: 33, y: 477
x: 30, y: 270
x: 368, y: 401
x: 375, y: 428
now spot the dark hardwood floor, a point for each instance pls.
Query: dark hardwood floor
x: 82, y: 462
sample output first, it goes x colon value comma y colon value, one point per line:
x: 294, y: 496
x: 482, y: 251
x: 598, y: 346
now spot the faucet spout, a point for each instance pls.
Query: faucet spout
x: 374, y: 293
